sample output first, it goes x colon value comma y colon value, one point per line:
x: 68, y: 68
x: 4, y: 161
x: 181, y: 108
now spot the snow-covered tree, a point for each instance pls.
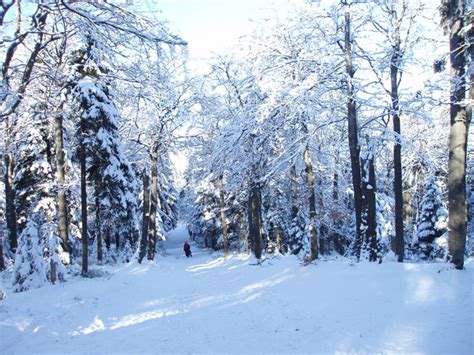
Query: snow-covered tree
x: 109, y: 171
x: 430, y: 240
x: 29, y: 268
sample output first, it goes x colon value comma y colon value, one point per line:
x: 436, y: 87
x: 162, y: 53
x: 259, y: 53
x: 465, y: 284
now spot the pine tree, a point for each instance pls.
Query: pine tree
x: 29, y: 268
x: 34, y: 187
x: 33, y: 181
x: 109, y: 170
x: 432, y: 221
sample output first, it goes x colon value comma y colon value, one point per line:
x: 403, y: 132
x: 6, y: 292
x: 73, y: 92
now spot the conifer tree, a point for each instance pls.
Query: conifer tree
x: 29, y: 268
x: 432, y: 221
x: 109, y: 171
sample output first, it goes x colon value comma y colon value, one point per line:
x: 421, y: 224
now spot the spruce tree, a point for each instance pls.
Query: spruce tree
x: 432, y: 221
x: 108, y: 169
x: 29, y: 268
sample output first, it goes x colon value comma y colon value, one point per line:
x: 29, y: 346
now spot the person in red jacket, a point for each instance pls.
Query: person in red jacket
x: 187, y: 249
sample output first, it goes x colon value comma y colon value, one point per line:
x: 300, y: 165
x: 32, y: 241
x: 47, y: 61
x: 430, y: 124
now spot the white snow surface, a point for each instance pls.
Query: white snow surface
x: 208, y: 304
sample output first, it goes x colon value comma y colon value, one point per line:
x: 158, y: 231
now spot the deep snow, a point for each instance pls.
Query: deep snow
x: 206, y: 304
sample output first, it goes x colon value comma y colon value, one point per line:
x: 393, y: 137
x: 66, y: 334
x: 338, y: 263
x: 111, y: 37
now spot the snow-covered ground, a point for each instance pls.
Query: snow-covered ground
x: 206, y: 304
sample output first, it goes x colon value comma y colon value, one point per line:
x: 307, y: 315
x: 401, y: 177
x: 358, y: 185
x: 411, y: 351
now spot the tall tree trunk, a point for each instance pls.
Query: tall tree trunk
x: 2, y: 259
x: 397, y: 149
x: 84, y: 233
x: 312, y: 203
x: 220, y: 183
x: 60, y: 178
x: 353, y: 129
x: 255, y: 220
x: 153, y: 204
x: 98, y: 227
x: 369, y: 187
x: 145, y: 218
x: 294, y: 191
x: 459, y: 122
x: 10, y: 211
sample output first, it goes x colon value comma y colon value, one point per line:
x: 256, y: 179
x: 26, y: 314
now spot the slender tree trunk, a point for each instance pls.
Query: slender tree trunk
x: 84, y: 234
x: 397, y: 149
x: 98, y: 228
x: 294, y: 191
x: 312, y: 203
x: 353, y: 129
x: 10, y: 211
x: 2, y: 259
x: 145, y: 218
x: 220, y: 183
x: 153, y: 204
x: 459, y: 121
x: 255, y: 220
x: 60, y: 178
x: 371, y: 210
x: 335, y: 187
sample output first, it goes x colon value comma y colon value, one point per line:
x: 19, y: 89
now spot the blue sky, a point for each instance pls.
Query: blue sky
x: 212, y: 25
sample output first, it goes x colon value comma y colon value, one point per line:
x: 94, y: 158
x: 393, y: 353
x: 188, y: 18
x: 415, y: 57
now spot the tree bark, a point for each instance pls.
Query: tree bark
x: 84, y: 234
x: 153, y: 204
x: 220, y: 183
x: 294, y: 191
x: 98, y: 228
x: 397, y: 149
x: 312, y: 203
x: 255, y: 220
x: 2, y: 259
x: 145, y: 218
x: 60, y: 178
x: 353, y: 129
x: 10, y: 211
x: 459, y: 124
x: 371, y: 211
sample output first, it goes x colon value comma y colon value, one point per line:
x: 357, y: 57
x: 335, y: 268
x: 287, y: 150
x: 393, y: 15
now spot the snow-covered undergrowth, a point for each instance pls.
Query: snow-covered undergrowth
x: 206, y: 304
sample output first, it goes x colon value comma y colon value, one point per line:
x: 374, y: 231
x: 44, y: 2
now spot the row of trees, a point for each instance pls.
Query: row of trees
x: 326, y: 132
x: 79, y: 78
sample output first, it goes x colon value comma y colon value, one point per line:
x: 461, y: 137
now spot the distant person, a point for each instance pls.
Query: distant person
x: 187, y: 249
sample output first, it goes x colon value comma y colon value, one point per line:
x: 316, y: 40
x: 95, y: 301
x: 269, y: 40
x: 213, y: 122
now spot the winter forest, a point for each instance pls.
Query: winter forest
x: 322, y: 170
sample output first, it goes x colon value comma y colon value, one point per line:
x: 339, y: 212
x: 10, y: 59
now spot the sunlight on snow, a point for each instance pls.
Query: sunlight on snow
x: 244, y: 295
x: 133, y: 319
x: 96, y: 325
x: 211, y: 265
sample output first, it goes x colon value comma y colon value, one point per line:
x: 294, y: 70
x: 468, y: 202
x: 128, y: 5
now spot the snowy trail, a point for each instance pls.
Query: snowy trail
x: 207, y: 304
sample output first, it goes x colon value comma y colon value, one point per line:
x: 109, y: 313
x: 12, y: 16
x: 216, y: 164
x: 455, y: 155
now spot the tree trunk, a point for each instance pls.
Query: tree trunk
x: 255, y: 220
x: 2, y: 259
x: 60, y: 176
x: 353, y: 130
x: 371, y: 209
x: 294, y: 191
x: 145, y: 218
x: 153, y: 204
x: 98, y: 228
x: 335, y: 187
x: 10, y: 211
x: 84, y: 234
x: 397, y: 149
x: 459, y: 122
x: 312, y: 203
x: 117, y: 241
x: 220, y: 183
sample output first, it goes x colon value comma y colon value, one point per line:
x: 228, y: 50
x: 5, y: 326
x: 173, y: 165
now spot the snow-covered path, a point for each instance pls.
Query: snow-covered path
x: 206, y: 304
